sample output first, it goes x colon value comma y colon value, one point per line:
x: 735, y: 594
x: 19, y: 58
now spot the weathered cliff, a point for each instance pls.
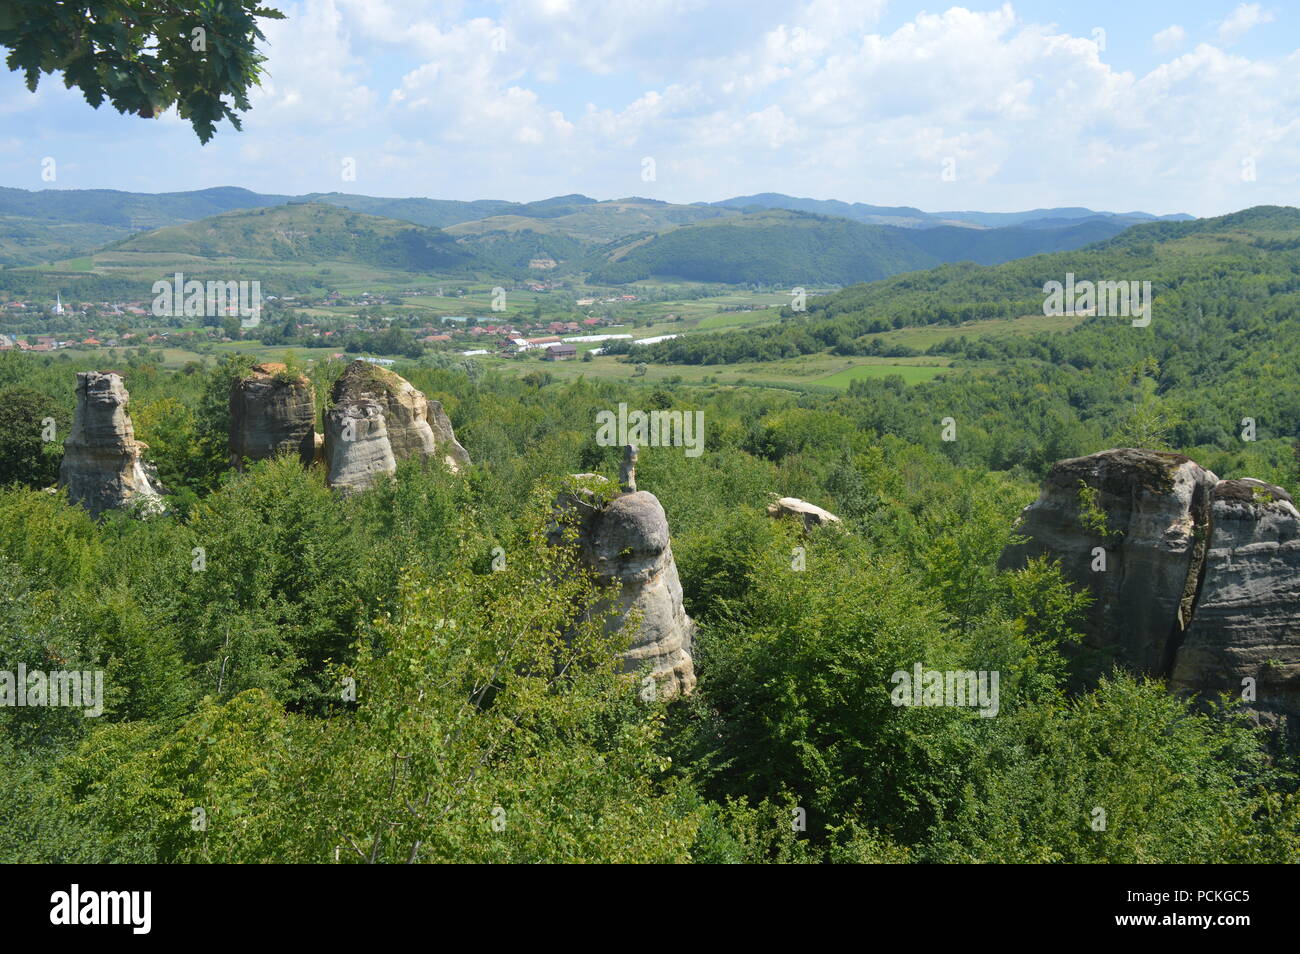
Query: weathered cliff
x: 358, y: 450
x: 1197, y: 579
x: 1147, y: 512
x: 417, y: 427
x: 1246, y: 623
x: 102, y: 467
x: 272, y: 413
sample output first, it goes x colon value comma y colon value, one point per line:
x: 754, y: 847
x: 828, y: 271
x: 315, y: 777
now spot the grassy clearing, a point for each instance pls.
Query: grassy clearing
x: 816, y: 371
x: 921, y: 338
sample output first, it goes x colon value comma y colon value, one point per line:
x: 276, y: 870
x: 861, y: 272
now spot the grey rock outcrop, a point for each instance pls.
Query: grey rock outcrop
x: 1201, y: 577
x: 1148, y: 512
x: 102, y: 467
x: 272, y: 413
x: 810, y: 514
x: 625, y: 541
x: 417, y: 427
x: 1247, y: 619
x: 357, y: 447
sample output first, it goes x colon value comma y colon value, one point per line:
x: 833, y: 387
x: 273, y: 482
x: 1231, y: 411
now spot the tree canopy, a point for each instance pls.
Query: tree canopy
x: 143, y: 56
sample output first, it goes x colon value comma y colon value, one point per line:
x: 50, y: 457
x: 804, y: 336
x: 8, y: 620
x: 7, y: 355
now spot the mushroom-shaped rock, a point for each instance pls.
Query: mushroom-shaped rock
x: 357, y: 447
x: 810, y: 514
x: 1247, y: 619
x: 417, y: 427
x: 1131, y: 527
x: 625, y: 541
x: 102, y: 466
x: 272, y: 412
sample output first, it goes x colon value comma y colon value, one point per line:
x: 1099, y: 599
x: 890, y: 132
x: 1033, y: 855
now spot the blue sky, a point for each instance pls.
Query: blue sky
x: 1164, y: 107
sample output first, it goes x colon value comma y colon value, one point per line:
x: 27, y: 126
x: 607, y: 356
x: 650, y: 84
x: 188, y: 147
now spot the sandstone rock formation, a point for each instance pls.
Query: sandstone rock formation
x: 1246, y: 623
x: 1198, y: 579
x: 624, y: 540
x: 102, y: 466
x: 409, y: 425
x: 417, y: 427
x: 272, y: 413
x: 811, y: 515
x: 444, y: 438
x: 357, y: 446
x: 1147, y: 511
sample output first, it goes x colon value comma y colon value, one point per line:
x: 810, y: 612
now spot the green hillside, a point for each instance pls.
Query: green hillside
x: 772, y: 247
x: 305, y: 232
x: 595, y: 222
x: 31, y: 241
x: 796, y: 248
x: 130, y: 210
x: 437, y: 213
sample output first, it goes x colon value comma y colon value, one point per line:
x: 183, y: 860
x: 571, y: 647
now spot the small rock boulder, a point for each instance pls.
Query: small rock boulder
x: 810, y: 514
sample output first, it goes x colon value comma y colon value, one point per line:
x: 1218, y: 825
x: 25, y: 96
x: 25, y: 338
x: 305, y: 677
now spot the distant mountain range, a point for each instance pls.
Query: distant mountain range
x: 141, y: 210
x: 775, y: 246
x: 908, y: 217
x: 766, y: 239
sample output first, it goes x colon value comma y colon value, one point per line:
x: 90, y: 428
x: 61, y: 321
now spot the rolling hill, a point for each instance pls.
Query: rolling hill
x: 1232, y: 267
x: 304, y: 232
x: 130, y: 210
x: 909, y: 217
x: 39, y: 226
x: 796, y: 248
x: 31, y: 241
x: 596, y: 222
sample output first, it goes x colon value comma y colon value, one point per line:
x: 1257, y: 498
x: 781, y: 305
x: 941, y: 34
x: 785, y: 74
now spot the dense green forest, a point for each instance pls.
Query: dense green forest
x: 1221, y: 346
x: 485, y: 727
x: 799, y: 248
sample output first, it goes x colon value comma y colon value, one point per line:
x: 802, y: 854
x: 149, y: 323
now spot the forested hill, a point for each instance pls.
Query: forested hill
x: 1186, y: 262
x: 1223, y: 346
x: 798, y: 248
x: 909, y: 216
x: 306, y: 232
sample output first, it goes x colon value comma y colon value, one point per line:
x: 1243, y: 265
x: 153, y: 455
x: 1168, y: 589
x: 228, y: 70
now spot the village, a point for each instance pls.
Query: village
x: 380, y: 319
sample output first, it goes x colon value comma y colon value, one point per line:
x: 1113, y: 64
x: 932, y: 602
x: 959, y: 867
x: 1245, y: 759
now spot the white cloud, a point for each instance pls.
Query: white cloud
x: 1170, y: 39
x: 810, y: 97
x: 311, y: 74
x: 1242, y: 20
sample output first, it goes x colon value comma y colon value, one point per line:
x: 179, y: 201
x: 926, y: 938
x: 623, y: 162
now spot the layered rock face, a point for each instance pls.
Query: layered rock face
x: 625, y: 541
x: 412, y: 426
x: 1143, y: 508
x: 444, y: 438
x: 1247, y: 619
x: 1201, y: 576
x: 358, y: 450
x: 102, y: 466
x: 272, y: 414
x: 810, y: 514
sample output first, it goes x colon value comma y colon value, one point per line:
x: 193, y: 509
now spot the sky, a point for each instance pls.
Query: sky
x: 1160, y: 107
